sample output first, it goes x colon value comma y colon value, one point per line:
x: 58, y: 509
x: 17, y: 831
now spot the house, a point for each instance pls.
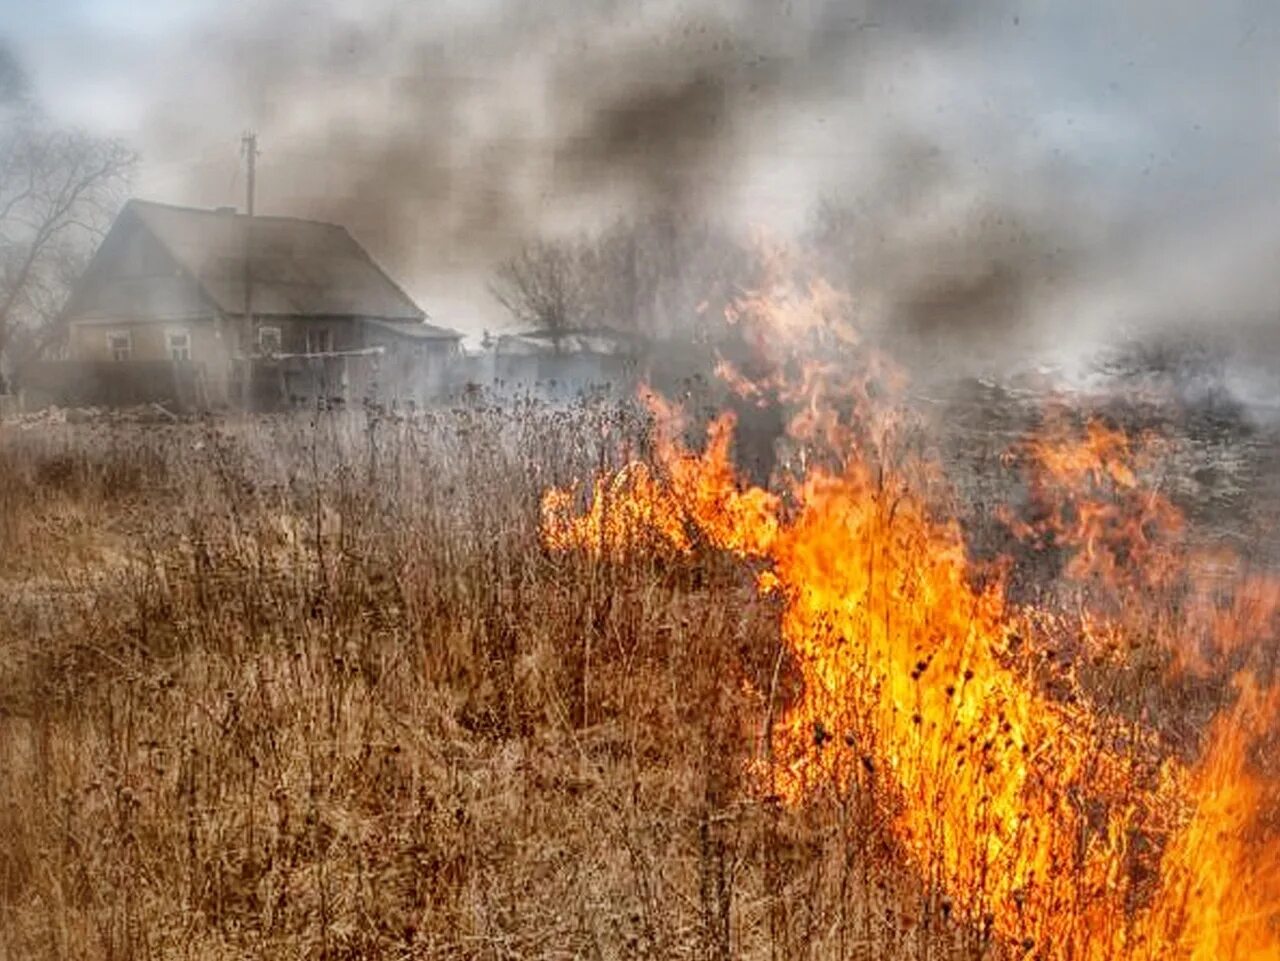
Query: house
x: 204, y: 308
x: 565, y: 363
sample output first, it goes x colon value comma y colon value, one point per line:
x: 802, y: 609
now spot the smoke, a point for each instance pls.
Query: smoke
x: 445, y: 139
x: 14, y: 84
x: 1008, y: 176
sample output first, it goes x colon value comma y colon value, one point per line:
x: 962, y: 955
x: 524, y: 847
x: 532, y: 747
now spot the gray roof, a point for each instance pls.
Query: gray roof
x: 582, y: 340
x: 415, y: 330
x: 299, y: 268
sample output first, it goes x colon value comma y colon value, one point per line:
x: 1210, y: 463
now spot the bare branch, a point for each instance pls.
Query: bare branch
x: 59, y: 190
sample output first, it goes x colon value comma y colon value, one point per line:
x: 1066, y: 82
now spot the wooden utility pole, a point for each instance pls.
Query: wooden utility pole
x: 249, y: 149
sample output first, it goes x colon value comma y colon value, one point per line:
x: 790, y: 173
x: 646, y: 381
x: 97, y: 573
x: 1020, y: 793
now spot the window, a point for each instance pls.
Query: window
x: 179, y: 345
x: 269, y: 341
x: 319, y: 340
x: 120, y: 344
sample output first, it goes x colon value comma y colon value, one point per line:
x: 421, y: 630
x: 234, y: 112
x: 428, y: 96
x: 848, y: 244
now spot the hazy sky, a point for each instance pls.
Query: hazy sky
x: 1120, y: 158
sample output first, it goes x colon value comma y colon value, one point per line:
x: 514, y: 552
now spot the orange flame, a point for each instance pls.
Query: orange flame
x: 1091, y: 500
x: 1026, y: 809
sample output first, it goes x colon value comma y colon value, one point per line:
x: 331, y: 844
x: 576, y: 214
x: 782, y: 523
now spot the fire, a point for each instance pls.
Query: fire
x: 1221, y: 895
x: 697, y: 498
x: 1090, y: 500
x: 902, y: 654
x: 1026, y: 809
x: 1127, y: 550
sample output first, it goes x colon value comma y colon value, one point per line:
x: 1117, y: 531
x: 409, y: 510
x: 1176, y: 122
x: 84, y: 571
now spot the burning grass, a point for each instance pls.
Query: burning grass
x: 1041, y: 812
x: 532, y: 682
x: 1044, y: 817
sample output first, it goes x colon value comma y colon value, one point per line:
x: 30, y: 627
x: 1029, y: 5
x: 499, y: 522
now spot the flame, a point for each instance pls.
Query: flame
x: 691, y: 496
x: 1127, y: 547
x: 1221, y: 895
x: 1028, y: 810
x: 1090, y: 500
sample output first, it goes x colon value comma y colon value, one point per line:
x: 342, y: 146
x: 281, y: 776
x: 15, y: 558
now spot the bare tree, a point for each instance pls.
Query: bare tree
x: 59, y: 190
x: 682, y: 272
x: 654, y: 276
x: 544, y: 286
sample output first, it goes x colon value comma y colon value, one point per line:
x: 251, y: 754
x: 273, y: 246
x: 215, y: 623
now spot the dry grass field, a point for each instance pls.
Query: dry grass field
x: 312, y: 688
x: 319, y: 686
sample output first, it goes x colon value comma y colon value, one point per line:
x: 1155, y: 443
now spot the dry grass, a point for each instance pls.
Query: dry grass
x: 311, y: 688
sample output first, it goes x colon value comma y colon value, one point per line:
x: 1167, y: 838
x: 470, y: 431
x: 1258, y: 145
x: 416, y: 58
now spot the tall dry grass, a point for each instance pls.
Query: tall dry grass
x: 310, y: 687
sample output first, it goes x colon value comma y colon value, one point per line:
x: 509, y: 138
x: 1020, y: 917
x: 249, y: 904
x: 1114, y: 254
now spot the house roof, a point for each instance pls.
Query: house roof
x: 584, y: 340
x: 299, y: 268
x: 415, y: 330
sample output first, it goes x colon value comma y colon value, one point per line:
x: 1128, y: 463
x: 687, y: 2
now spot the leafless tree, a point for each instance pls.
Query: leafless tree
x: 544, y: 286
x: 59, y: 190
x: 655, y: 276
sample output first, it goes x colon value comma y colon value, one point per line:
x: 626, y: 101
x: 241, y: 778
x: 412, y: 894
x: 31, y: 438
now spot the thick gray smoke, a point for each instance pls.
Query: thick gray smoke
x: 998, y: 175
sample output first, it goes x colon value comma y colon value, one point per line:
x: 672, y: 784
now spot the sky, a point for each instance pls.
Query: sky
x: 1119, y: 161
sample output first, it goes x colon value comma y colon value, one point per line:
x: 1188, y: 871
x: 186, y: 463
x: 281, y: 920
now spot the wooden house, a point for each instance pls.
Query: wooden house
x: 204, y: 308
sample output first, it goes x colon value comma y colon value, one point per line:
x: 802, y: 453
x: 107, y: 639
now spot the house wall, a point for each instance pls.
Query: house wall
x: 149, y: 339
x: 215, y: 343
x: 410, y: 369
x: 284, y: 380
x: 87, y: 383
x: 344, y: 333
x: 209, y: 343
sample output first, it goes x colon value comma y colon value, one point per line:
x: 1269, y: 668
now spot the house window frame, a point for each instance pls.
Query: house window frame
x: 120, y: 353
x: 185, y: 334
x: 275, y: 332
x: 324, y: 335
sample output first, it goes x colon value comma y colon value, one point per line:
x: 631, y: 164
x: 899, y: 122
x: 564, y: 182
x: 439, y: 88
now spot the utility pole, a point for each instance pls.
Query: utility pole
x: 249, y: 149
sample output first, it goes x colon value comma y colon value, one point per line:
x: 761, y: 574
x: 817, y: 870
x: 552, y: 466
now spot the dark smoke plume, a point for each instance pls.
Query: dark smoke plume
x: 1008, y: 174
x: 446, y: 145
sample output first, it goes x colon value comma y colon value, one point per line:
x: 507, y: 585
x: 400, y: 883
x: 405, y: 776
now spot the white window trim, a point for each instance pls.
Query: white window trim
x: 168, y: 341
x: 275, y: 330
x: 112, y: 335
